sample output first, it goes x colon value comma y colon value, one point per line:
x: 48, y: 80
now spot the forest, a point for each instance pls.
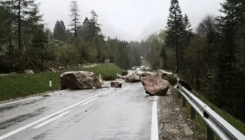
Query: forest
x: 211, y: 58
x: 26, y: 43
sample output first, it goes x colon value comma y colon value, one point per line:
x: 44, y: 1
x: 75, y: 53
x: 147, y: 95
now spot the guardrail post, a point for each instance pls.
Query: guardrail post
x: 193, y: 113
x: 210, y: 134
x: 184, y: 101
x: 179, y: 94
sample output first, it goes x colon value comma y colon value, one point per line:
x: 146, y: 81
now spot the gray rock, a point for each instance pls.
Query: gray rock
x: 29, y: 72
x: 116, y: 84
x: 155, y: 85
x: 132, y: 77
x: 79, y: 80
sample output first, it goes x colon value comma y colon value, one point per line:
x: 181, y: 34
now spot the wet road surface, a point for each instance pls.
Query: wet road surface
x: 99, y: 114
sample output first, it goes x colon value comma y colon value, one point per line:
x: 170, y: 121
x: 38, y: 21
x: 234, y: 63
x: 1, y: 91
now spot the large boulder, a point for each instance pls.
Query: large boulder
x: 117, y: 83
x: 144, y: 74
x: 132, y: 77
x: 155, y: 85
x: 79, y: 80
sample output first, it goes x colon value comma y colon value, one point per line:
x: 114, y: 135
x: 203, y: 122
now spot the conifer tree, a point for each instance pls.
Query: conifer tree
x: 75, y: 23
x: 228, y: 25
x: 60, y: 31
x: 175, y: 29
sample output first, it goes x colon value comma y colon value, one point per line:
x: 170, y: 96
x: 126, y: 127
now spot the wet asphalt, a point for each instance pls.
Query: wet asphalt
x: 97, y: 114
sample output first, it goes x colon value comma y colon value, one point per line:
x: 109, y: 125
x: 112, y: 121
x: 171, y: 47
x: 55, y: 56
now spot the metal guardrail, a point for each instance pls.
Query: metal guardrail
x: 215, y: 123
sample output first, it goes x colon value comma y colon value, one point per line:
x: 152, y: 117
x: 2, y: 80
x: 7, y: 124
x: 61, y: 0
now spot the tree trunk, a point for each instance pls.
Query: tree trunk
x: 19, y: 25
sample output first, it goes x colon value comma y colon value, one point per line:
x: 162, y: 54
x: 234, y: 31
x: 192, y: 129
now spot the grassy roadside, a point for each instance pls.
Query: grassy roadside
x: 22, y: 85
x: 199, y: 123
x: 107, y: 71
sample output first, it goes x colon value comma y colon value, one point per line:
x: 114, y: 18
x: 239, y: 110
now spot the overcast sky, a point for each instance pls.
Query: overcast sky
x: 128, y: 19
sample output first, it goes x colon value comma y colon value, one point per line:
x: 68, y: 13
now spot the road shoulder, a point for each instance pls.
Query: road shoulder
x: 174, y: 125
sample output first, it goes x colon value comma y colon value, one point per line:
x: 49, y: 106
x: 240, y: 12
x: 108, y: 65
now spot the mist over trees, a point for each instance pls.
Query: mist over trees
x: 25, y: 43
x: 211, y: 57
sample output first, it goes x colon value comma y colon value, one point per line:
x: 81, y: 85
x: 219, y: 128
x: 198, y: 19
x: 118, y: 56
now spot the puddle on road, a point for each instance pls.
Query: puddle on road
x: 10, y: 122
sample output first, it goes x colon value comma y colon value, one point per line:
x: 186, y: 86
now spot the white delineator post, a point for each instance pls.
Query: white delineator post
x: 154, y: 122
x: 100, y: 78
x: 50, y: 83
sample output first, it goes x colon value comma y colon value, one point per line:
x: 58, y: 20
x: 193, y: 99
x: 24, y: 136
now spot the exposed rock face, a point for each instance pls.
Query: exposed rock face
x: 155, y: 85
x: 29, y: 72
x: 79, y: 80
x: 117, y: 83
x: 132, y: 77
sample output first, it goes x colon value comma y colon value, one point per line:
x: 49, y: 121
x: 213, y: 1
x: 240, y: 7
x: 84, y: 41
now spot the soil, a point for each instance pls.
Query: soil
x: 174, y: 125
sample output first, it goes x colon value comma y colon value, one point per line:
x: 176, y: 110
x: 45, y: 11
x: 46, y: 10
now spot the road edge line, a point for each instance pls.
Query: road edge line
x: 154, y: 122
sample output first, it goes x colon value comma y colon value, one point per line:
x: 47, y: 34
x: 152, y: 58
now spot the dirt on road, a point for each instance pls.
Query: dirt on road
x: 174, y: 125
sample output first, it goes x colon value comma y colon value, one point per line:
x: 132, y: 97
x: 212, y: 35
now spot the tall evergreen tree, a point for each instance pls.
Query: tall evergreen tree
x: 175, y: 28
x: 187, y: 34
x: 95, y: 26
x: 75, y: 23
x: 228, y: 27
x: 60, y: 31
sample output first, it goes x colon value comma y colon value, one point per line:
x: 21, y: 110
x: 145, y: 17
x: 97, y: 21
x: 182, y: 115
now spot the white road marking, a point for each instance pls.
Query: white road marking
x: 49, y: 116
x: 50, y: 120
x: 154, y: 122
x: 105, y: 93
x: 108, y: 92
x: 90, y: 101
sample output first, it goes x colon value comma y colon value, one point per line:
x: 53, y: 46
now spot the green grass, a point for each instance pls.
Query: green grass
x: 107, y: 71
x: 199, y: 123
x: 239, y: 125
x: 22, y: 85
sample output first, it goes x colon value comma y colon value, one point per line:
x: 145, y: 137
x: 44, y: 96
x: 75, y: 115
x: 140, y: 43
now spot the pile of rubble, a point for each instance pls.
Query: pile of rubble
x: 154, y: 83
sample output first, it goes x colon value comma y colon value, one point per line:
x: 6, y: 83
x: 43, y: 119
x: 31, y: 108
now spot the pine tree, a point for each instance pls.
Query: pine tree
x: 187, y: 34
x: 60, y: 31
x: 24, y: 21
x: 75, y: 18
x: 175, y: 29
x: 227, y: 27
x: 95, y: 26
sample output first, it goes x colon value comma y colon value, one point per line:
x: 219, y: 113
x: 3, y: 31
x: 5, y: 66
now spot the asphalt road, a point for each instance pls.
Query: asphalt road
x: 98, y: 114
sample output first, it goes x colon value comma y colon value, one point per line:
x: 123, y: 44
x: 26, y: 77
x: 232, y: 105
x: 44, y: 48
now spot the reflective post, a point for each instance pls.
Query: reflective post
x: 50, y: 83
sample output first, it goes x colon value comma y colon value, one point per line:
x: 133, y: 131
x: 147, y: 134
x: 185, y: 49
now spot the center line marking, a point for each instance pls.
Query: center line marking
x: 50, y: 120
x: 90, y: 101
x: 154, y: 122
x: 108, y: 92
x: 49, y: 116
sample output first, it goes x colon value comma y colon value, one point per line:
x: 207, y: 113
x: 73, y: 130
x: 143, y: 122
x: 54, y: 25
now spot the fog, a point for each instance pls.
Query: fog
x: 128, y: 19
